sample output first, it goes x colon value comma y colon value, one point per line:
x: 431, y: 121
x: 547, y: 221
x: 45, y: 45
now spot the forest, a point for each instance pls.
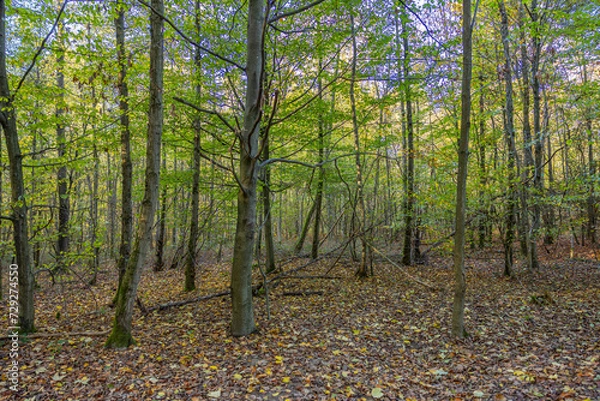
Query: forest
x: 300, y: 200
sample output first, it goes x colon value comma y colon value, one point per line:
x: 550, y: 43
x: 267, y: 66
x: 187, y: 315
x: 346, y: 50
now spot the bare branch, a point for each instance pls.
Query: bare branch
x: 188, y: 39
x: 42, y: 47
x: 296, y: 11
x: 206, y: 111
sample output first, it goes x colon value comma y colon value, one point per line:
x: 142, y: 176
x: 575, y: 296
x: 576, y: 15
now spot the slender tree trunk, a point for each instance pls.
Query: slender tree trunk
x: 268, y: 222
x: 509, y: 137
x: 538, y: 136
x: 8, y: 122
x: 190, y: 261
x: 524, y: 228
x: 549, y: 216
x: 320, y: 174
x: 121, y: 332
x: 591, y: 200
x: 162, y: 225
x: 360, y: 214
x: 460, y: 285
x: 305, y: 228
x: 481, y: 148
x: 242, y: 318
x: 125, y: 137
x: 62, y: 247
x: 408, y: 253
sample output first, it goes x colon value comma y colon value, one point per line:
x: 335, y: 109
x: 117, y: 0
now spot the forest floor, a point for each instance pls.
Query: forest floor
x: 532, y: 337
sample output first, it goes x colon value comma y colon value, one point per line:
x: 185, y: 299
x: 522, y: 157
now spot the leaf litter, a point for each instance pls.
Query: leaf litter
x: 534, y: 336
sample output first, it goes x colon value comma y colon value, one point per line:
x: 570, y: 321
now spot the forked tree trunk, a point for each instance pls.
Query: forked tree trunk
x: 460, y: 285
x: 8, y: 122
x: 120, y: 336
x: 242, y: 317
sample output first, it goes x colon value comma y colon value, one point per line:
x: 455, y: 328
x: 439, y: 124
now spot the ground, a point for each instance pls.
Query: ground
x: 532, y: 337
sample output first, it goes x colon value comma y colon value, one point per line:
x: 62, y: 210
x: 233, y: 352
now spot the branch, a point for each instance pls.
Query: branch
x: 42, y: 47
x: 281, y: 160
x: 424, y: 25
x: 187, y: 39
x: 294, y: 12
x: 416, y: 280
x: 8, y: 218
x: 187, y: 301
x: 201, y: 110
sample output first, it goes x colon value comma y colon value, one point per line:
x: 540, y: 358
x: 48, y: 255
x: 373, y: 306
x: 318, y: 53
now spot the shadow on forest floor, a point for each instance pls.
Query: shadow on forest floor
x: 534, y: 336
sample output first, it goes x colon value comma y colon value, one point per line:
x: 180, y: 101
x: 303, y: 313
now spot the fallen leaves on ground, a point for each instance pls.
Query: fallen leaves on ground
x: 535, y: 336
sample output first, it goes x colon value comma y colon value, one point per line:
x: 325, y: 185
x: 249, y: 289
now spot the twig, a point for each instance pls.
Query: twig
x: 416, y: 280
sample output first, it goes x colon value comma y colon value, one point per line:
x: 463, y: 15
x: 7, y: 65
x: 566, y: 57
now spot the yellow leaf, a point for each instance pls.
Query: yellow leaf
x: 376, y: 393
x: 237, y: 376
x: 278, y: 360
x: 286, y: 379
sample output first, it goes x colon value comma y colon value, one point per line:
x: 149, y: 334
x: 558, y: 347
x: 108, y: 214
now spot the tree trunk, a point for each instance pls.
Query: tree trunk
x: 8, y: 122
x: 591, y: 200
x: 460, y: 286
x: 190, y: 260
x: 62, y: 247
x: 481, y: 150
x: 509, y: 137
x: 408, y: 253
x: 121, y: 332
x: 242, y: 319
x: 304, y: 232
x: 538, y: 136
x: 162, y: 225
x: 126, y: 165
x: 359, y: 216
x: 524, y: 226
x: 268, y: 222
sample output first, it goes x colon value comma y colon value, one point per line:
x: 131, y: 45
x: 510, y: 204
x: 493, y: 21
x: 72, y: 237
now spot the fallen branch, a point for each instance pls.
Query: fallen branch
x: 65, y: 334
x: 187, y: 301
x: 314, y: 277
x: 416, y: 280
x: 302, y: 293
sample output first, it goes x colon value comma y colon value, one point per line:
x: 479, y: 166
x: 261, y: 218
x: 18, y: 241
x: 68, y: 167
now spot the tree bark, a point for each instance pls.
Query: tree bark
x: 120, y: 335
x: 190, y: 260
x: 8, y: 122
x: 460, y: 285
x: 62, y: 246
x: 524, y: 226
x: 359, y: 216
x: 509, y: 137
x: 538, y: 136
x: 125, y: 138
x: 242, y: 318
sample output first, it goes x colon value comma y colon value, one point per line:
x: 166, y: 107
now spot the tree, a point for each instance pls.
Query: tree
x: 125, y: 138
x: 460, y: 285
x: 8, y: 120
x: 242, y: 319
x: 120, y: 335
